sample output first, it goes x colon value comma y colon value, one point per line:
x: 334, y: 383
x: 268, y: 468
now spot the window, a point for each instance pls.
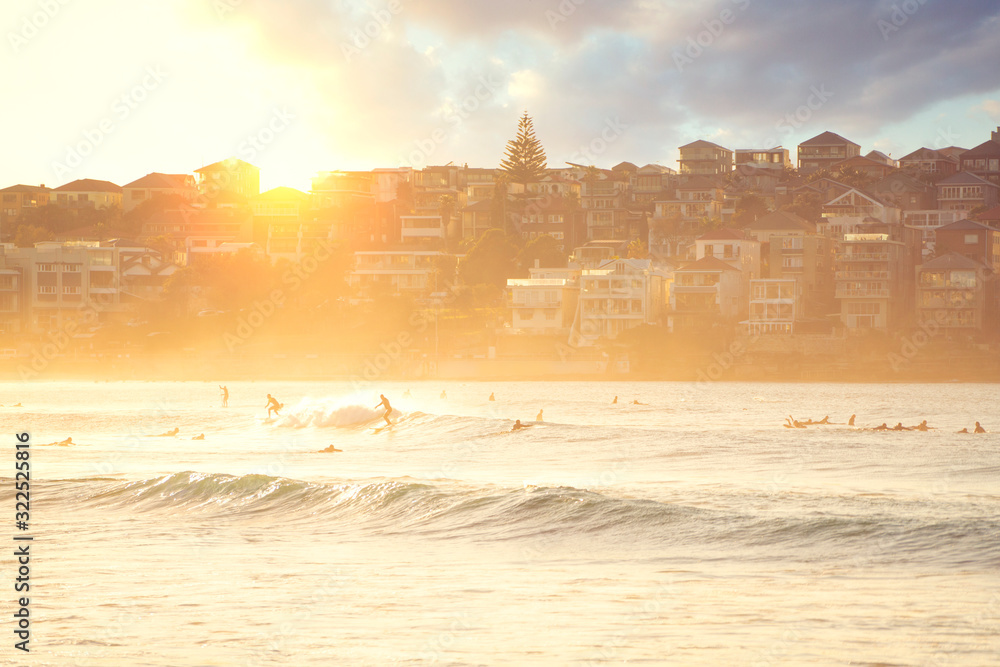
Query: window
x: 46, y: 268
x: 791, y: 262
x: 971, y: 239
x: 71, y: 268
x: 709, y: 251
x: 727, y: 251
x: 46, y: 289
x: 71, y: 290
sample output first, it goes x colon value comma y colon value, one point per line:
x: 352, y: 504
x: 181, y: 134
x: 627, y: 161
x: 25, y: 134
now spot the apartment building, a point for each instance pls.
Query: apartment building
x: 705, y: 158
x: 824, y: 151
x: 966, y: 191
x: 874, y: 274
x: 956, y: 293
x: 984, y: 159
x: 393, y: 272
x: 618, y: 295
x: 774, y: 306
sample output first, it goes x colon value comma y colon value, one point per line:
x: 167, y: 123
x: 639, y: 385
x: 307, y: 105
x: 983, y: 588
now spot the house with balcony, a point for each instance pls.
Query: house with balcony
x: 394, y: 272
x: 824, y: 151
x: 277, y: 217
x: 703, y: 158
x: 929, y: 221
x: 16, y: 199
x: 65, y: 283
x: 677, y: 221
x: 957, y: 293
x: 651, y: 183
x: 422, y: 229
x: 774, y: 306
x: 616, y: 296
x: 845, y: 213
x: 984, y: 159
x: 87, y: 193
x: 775, y: 159
x: 791, y: 248
x: 230, y: 175
x: 705, y: 293
x: 930, y: 161
x: 543, y: 306
x: 182, y: 186
x: 971, y: 239
x: 874, y: 276
x: 11, y: 297
x: 194, y: 230
x: 966, y: 191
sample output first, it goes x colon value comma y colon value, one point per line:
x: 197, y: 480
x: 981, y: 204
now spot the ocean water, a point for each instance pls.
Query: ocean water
x: 691, y: 530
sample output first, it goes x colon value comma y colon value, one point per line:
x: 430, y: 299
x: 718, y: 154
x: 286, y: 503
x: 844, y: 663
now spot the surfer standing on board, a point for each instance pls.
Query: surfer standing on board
x: 272, y: 404
x: 388, y: 409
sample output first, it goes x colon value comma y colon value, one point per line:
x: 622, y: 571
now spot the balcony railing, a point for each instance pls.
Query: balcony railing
x: 863, y: 256
x: 862, y: 293
x: 862, y: 275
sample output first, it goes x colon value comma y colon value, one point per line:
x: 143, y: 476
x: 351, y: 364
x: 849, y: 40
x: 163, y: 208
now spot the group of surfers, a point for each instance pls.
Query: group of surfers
x: 791, y: 422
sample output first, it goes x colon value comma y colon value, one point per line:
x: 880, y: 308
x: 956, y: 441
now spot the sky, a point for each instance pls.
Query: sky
x: 115, y: 89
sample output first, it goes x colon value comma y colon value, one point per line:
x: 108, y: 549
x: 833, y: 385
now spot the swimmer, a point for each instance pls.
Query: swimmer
x: 388, y: 409
x: 331, y: 448
x: 518, y: 426
x: 538, y: 417
x: 492, y: 398
x: 200, y: 436
x: 272, y: 404
x: 979, y: 429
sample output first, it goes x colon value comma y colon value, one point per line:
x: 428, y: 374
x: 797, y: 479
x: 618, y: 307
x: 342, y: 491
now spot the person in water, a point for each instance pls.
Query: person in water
x: 964, y: 430
x: 635, y: 401
x: 200, y: 436
x: 922, y: 426
x: 899, y: 427
x: 979, y: 429
x: 492, y: 398
x: 406, y: 394
x: 614, y: 401
x: 329, y: 449
x: 850, y: 422
x: 444, y: 394
x: 518, y: 426
x: 273, y: 405
x: 538, y: 417
x: 388, y: 409
x: 65, y: 443
x: 169, y: 433
x: 225, y: 396
x: 883, y: 427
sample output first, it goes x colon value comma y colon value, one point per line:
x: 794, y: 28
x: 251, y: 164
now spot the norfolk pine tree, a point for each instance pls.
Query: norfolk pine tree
x: 525, y: 158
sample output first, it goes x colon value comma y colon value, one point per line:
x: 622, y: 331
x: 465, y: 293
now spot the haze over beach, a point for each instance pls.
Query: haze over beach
x: 542, y: 332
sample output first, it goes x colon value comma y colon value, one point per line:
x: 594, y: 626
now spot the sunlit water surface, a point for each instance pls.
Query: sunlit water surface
x: 694, y: 529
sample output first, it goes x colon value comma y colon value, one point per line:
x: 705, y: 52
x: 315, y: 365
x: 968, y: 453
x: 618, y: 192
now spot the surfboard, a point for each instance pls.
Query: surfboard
x: 379, y: 429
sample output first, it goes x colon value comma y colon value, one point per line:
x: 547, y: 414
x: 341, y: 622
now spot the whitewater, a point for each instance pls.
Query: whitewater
x: 690, y: 528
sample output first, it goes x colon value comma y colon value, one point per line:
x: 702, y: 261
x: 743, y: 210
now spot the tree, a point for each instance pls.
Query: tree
x: 749, y: 208
x: 491, y: 260
x: 27, y: 236
x: 807, y: 206
x: 446, y: 205
x: 525, y: 158
x: 545, y: 249
x: 638, y: 249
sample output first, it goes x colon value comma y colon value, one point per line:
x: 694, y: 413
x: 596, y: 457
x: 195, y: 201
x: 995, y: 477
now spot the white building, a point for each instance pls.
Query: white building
x: 774, y: 305
x: 618, y: 295
x: 395, y: 271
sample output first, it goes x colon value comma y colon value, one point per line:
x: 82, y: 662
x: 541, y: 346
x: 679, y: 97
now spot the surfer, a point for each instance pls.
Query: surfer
x: 65, y: 443
x: 792, y: 422
x: 168, y: 434
x: 272, y: 404
x: 329, y: 449
x: 225, y: 396
x: 406, y: 394
x: 922, y: 426
x: 492, y: 398
x: 518, y: 426
x: 964, y: 430
x: 979, y: 429
x: 200, y: 436
x: 883, y: 427
x: 538, y: 417
x: 899, y: 427
x: 614, y: 401
x: 636, y: 402
x: 444, y: 394
x: 388, y: 408
x: 850, y: 422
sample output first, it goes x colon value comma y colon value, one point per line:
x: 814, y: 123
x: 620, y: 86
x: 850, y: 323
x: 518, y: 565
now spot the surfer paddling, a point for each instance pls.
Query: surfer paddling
x: 518, y: 426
